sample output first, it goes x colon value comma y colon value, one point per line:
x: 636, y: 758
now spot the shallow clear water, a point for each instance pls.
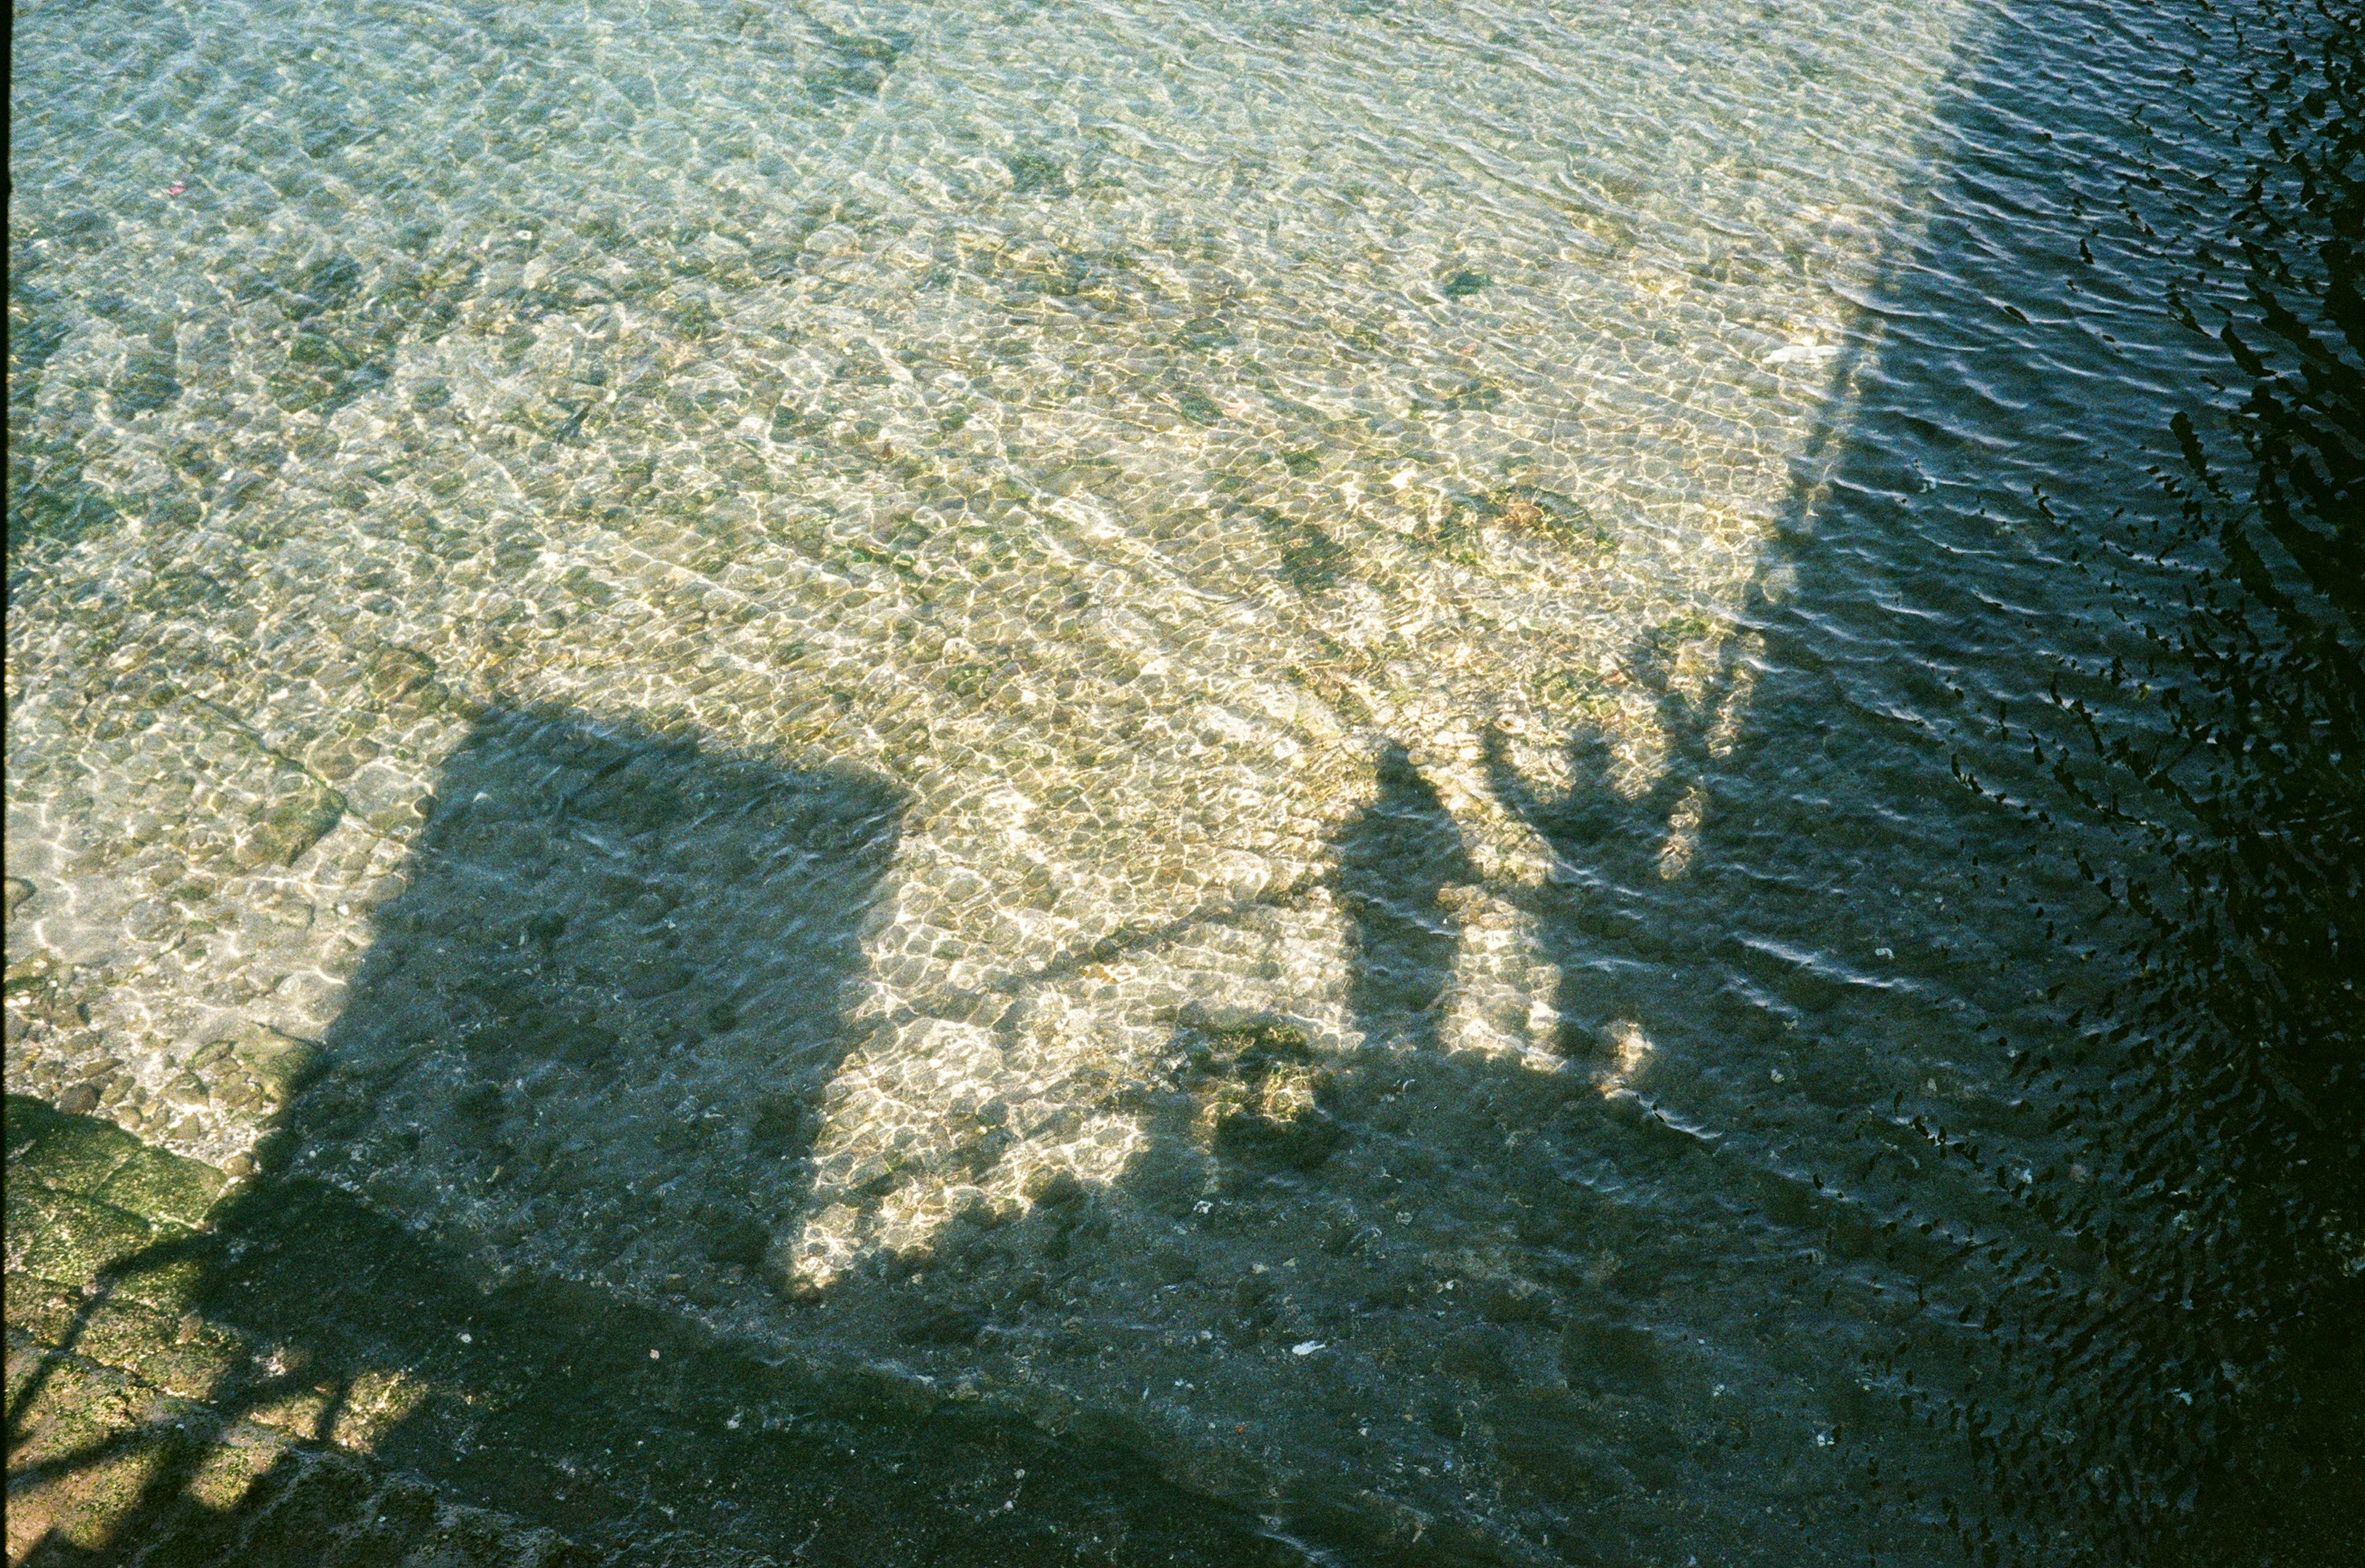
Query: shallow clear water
x: 1227, y: 720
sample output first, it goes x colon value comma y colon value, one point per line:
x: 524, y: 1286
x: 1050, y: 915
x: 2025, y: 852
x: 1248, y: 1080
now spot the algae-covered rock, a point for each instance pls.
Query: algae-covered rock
x: 67, y: 1154
x: 161, y: 1186
x: 80, y: 1238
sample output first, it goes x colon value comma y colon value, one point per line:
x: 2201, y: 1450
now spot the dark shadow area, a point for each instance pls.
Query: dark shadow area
x: 601, y: 1014
x: 2077, y: 1158
x: 609, y: 994
x: 2098, y: 485
x: 620, y: 961
x: 1396, y: 856
x: 623, y: 1426
x: 2189, y: 1399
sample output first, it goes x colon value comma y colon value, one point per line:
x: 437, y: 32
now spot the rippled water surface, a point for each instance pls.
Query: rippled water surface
x: 1225, y: 725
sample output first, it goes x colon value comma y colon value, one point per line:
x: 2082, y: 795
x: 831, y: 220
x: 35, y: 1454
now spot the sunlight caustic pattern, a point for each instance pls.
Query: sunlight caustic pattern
x: 1114, y: 426
x: 1105, y: 424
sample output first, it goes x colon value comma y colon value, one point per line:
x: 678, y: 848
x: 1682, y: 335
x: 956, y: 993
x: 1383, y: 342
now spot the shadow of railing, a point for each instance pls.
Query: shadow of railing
x: 626, y: 1428
x: 621, y: 970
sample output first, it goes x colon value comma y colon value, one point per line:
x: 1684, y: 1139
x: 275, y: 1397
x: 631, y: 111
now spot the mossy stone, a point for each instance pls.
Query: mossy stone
x: 1199, y: 409
x: 31, y: 1208
x: 295, y: 823
x: 116, y: 1333
x: 277, y: 1061
x: 169, y: 1280
x: 84, y: 1238
x: 164, y: 1187
x: 72, y: 1154
x: 43, y: 1313
x: 1311, y: 560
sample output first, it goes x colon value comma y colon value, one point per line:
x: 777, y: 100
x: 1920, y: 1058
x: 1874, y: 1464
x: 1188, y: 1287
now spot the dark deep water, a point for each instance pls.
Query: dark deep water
x: 1954, y: 1138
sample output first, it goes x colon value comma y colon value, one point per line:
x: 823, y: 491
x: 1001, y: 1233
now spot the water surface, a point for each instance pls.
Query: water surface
x: 1229, y: 722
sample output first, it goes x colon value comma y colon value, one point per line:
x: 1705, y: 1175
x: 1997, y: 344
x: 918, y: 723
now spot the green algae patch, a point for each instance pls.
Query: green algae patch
x: 87, y: 1199
x: 82, y: 1239
x: 161, y: 1186
x: 66, y: 1154
x: 278, y: 1063
x: 167, y: 1277
x: 308, y: 812
x: 1199, y: 409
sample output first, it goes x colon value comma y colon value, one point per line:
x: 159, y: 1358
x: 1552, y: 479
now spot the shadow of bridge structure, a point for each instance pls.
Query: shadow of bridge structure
x: 598, y: 1025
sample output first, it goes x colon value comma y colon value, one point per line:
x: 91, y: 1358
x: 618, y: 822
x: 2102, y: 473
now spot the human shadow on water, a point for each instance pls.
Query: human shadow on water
x: 1395, y: 857
x: 592, y: 1035
x: 1617, y: 828
x: 595, y: 1022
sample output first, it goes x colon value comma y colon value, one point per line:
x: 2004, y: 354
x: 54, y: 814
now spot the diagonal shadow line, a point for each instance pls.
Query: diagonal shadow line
x: 197, y: 1246
x: 171, y: 1487
x: 52, y: 1357
x: 91, y: 1455
x: 152, y: 1256
x: 223, y: 1410
x: 1139, y: 939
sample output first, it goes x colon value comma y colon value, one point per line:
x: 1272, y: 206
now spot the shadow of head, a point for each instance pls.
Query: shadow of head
x: 610, y: 993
